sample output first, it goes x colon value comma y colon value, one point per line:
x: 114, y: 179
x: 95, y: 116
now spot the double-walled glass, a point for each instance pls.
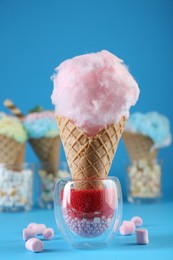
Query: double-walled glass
x: 144, y: 181
x: 49, y: 173
x: 16, y: 186
x: 90, y: 217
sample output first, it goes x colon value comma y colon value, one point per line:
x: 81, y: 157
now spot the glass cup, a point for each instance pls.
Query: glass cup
x: 88, y: 218
x: 144, y: 181
x: 16, y: 186
x: 48, y: 176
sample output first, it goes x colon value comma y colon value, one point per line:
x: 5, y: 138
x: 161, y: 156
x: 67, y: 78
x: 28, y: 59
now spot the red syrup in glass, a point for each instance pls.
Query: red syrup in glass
x: 88, y: 213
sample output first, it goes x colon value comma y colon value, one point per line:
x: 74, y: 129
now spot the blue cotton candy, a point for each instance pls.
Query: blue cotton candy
x: 153, y: 125
x: 42, y: 127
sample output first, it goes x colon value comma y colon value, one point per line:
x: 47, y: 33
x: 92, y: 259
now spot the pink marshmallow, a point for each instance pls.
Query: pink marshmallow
x: 142, y: 236
x: 34, y: 245
x: 31, y: 225
x: 127, y: 228
x: 137, y: 221
x: 48, y: 233
x: 38, y: 228
x: 28, y: 233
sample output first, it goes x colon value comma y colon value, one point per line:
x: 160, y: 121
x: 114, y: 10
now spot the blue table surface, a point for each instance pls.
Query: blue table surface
x: 158, y: 219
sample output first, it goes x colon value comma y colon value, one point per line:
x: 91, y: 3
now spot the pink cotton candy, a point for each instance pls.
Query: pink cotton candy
x: 94, y: 90
x: 142, y: 236
x: 127, y: 228
x: 137, y: 221
x: 38, y: 115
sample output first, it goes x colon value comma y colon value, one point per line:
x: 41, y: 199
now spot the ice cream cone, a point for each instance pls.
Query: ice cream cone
x: 12, y: 153
x: 89, y: 157
x: 139, y: 146
x: 46, y: 148
x: 47, y: 151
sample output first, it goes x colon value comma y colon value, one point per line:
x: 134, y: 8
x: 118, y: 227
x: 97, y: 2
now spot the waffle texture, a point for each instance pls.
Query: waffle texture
x: 139, y: 146
x: 11, y: 152
x: 89, y: 157
x: 47, y: 151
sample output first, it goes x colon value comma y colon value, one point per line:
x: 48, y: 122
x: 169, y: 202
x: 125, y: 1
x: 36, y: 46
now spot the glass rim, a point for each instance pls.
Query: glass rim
x: 59, y: 163
x: 131, y: 162
x: 25, y: 164
x: 47, y: 163
x: 69, y: 179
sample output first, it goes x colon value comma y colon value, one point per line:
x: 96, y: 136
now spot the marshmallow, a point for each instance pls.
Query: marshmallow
x: 31, y: 225
x: 142, y: 236
x: 38, y: 228
x: 16, y: 188
x: 137, y: 221
x: 47, y: 186
x: 127, y: 228
x: 28, y: 233
x: 48, y: 233
x: 34, y: 245
x: 146, y: 181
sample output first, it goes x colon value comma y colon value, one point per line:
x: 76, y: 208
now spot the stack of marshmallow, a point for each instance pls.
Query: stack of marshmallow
x: 147, y: 186
x: 29, y: 235
x: 15, y: 189
x: 130, y: 227
x: 144, y: 135
x: 47, y: 186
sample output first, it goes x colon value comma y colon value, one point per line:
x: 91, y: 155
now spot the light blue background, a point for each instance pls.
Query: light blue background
x: 35, y: 36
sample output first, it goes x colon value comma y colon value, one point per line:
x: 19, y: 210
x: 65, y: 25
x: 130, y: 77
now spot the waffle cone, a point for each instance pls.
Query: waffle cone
x: 89, y: 157
x: 47, y: 151
x: 11, y: 152
x: 139, y: 146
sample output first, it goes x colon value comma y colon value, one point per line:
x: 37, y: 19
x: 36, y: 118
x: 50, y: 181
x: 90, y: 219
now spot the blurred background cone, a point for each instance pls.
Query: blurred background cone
x: 47, y: 151
x: 12, y: 153
x: 89, y: 157
x: 139, y: 147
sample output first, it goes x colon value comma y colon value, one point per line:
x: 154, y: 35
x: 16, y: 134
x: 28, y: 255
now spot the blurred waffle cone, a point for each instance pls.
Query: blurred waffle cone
x: 89, y: 157
x: 12, y: 153
x: 47, y: 151
x: 139, y: 147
